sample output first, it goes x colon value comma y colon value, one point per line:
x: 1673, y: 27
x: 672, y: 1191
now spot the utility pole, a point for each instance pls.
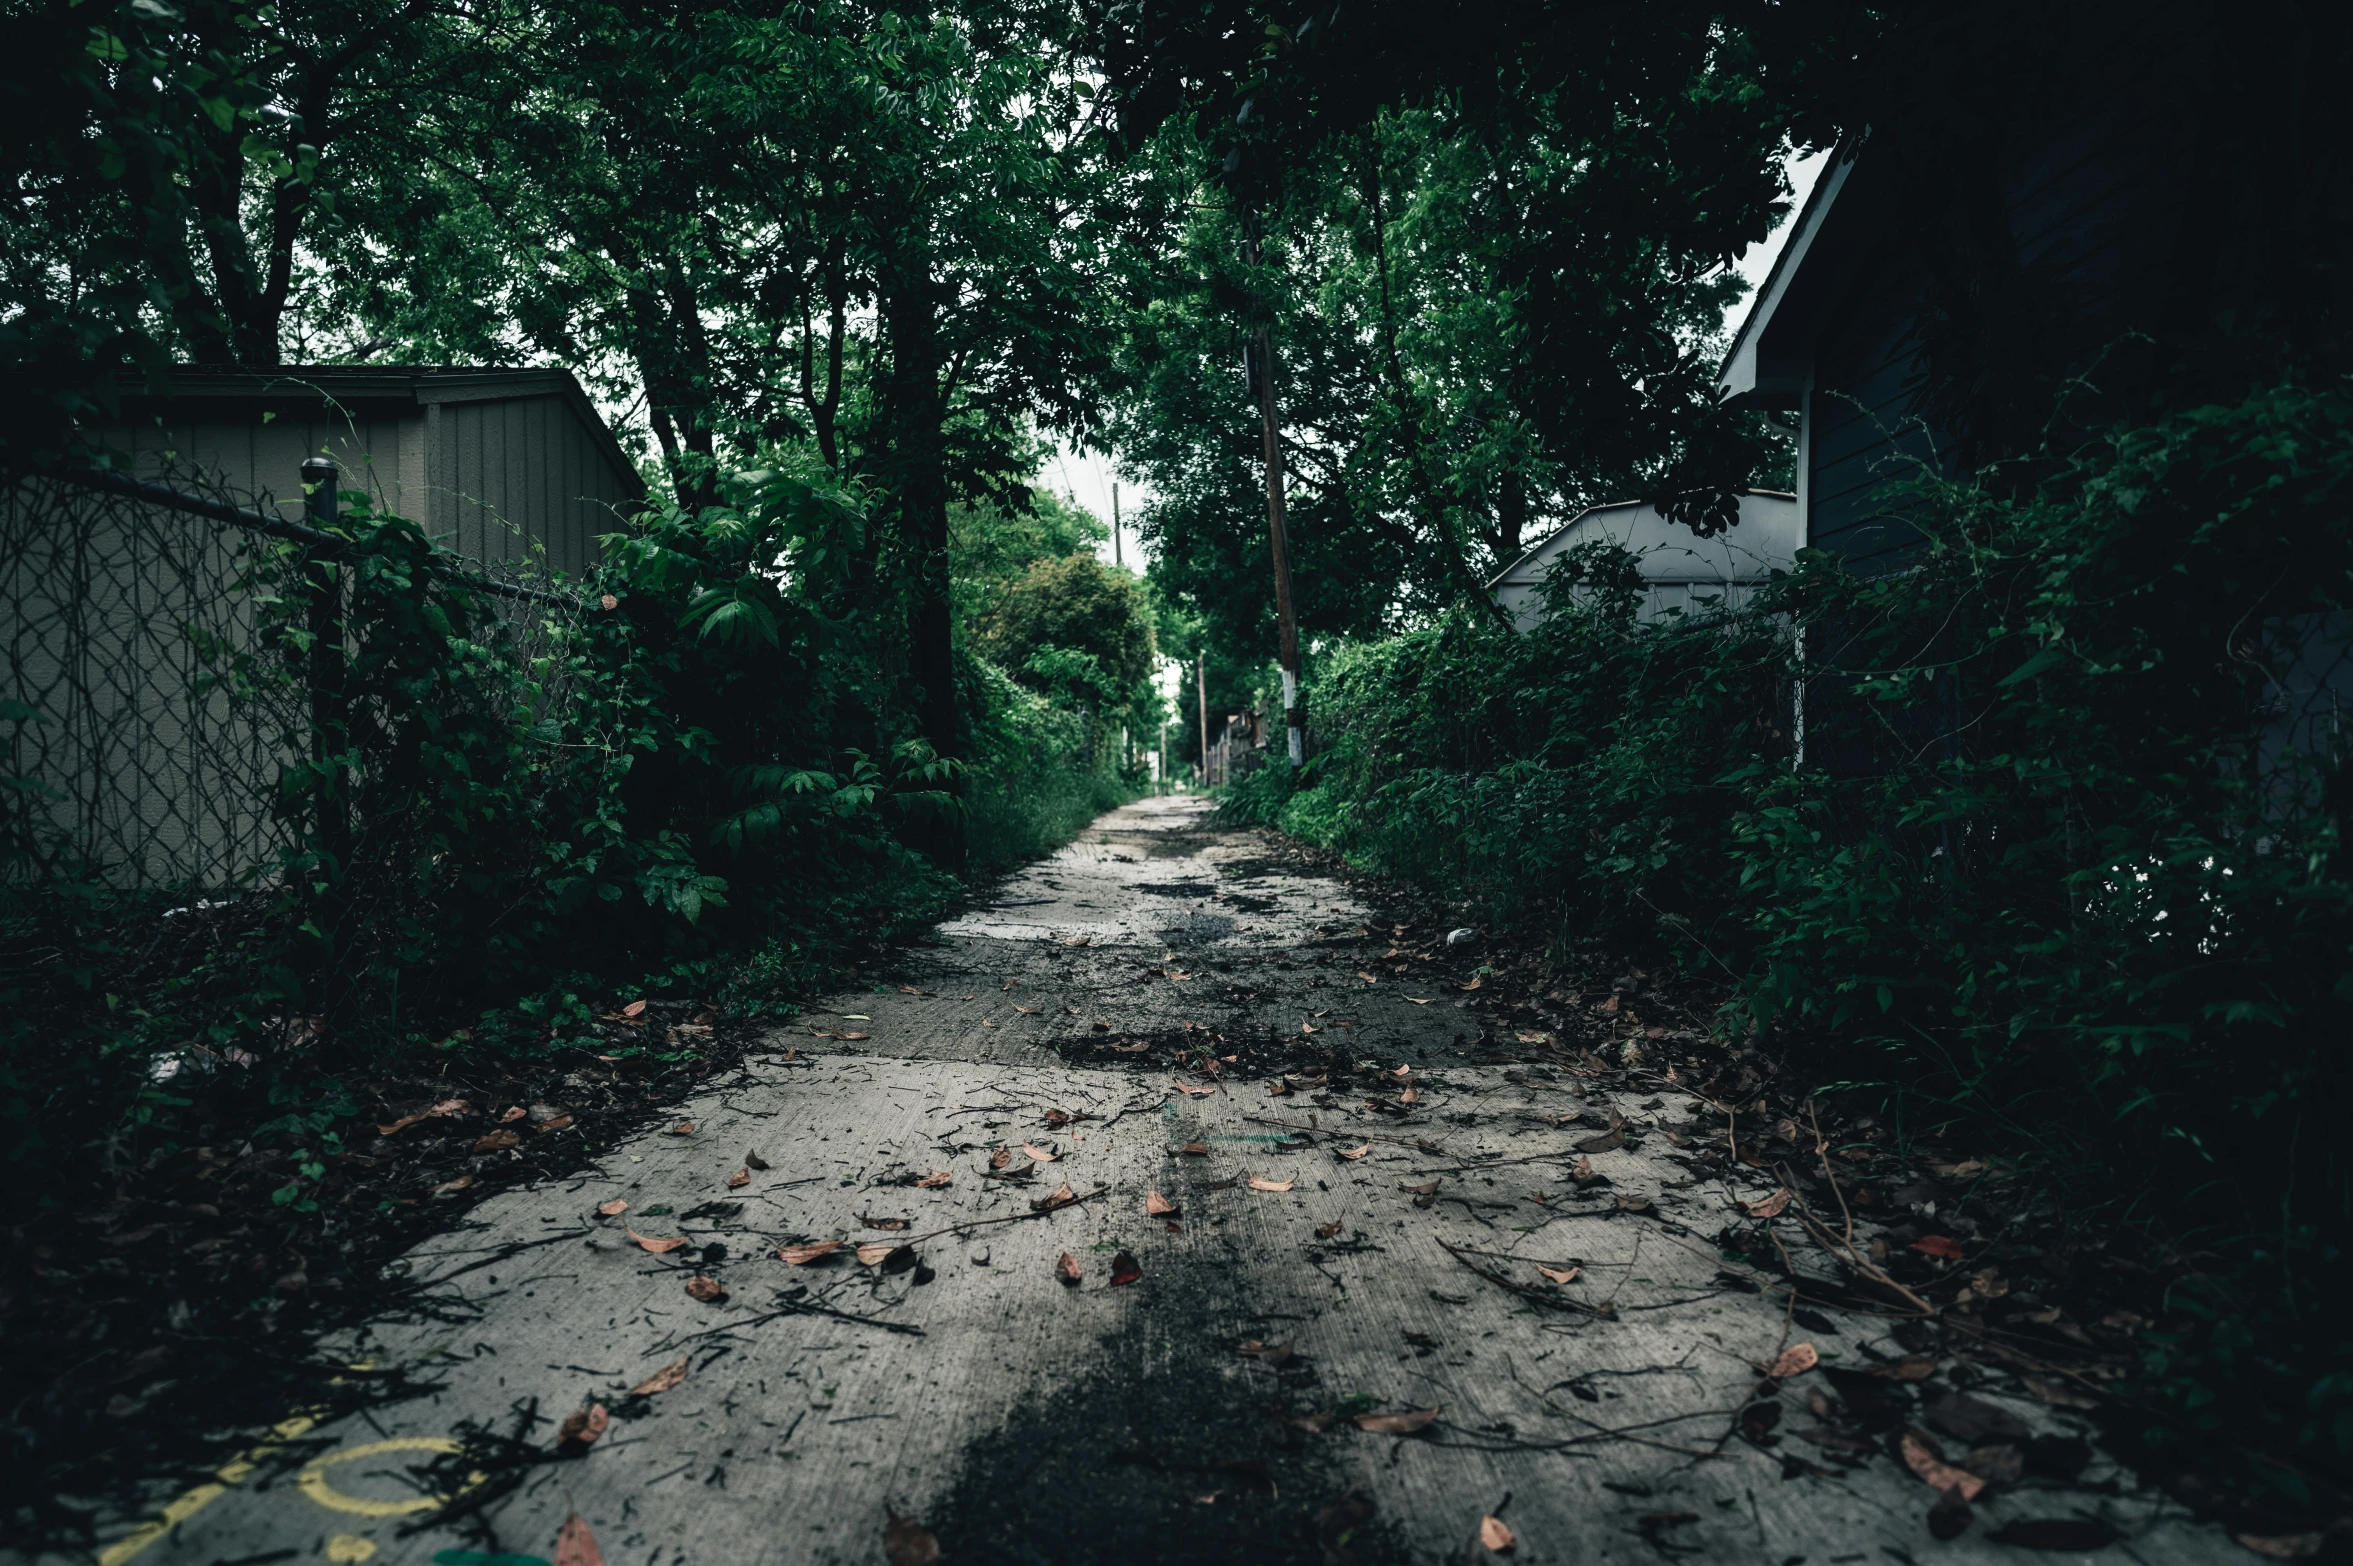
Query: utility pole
x: 1117, y: 558
x: 1278, y: 537
x: 1201, y: 691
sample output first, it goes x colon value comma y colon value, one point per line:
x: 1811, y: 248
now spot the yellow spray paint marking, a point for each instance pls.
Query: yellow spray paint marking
x: 230, y: 1473
x: 313, y: 1480
x: 350, y: 1547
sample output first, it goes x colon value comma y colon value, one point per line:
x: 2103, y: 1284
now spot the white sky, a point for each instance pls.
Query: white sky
x: 1087, y: 477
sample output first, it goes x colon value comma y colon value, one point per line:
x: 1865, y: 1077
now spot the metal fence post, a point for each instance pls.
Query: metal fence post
x: 330, y: 728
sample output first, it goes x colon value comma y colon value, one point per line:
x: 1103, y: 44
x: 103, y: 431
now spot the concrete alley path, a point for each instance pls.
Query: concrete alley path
x: 1334, y: 1251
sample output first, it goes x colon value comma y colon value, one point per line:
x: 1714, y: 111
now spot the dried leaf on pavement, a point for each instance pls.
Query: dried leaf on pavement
x: 582, y: 1426
x: 1397, y: 1424
x: 1195, y: 1150
x: 1934, y: 1471
x: 934, y: 1180
x: 1061, y: 1196
x: 709, y: 1290
x: 1067, y: 1269
x: 1950, y: 1517
x: 754, y: 1161
x: 738, y: 1180
x: 1943, y: 1246
x: 1124, y: 1269
x: 1262, y: 1183
x: 1324, y: 1231
x: 451, y: 1187
x: 635, y: 1008
x: 1912, y: 1367
x: 497, y: 1141
x: 1000, y: 1158
x: 660, y: 1247
x: 1494, y: 1535
x: 683, y: 1128
x: 576, y: 1546
x: 1353, y: 1153
x: 1771, y: 1207
x: 803, y: 1255
x: 614, y: 1208
x: 1272, y: 1355
x: 1038, y: 1154
x: 1794, y: 1360
x: 871, y: 1254
x: 2283, y: 1546
x: 905, y: 1542
x: 1559, y: 1274
x: 1157, y: 1206
x: 661, y: 1380
x: 1607, y: 1142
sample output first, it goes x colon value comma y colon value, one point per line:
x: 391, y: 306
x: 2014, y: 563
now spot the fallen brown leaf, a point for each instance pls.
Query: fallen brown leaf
x: 496, y: 1141
x: 1935, y: 1472
x: 934, y: 1180
x: 1324, y: 1231
x: 709, y: 1290
x: 1607, y: 1142
x: 738, y: 1180
x: 1410, y: 1096
x: 1771, y: 1207
x: 660, y: 1247
x: 853, y: 1037
x: 661, y: 1380
x: 575, y: 1545
x: 1794, y: 1360
x: 1313, y: 1424
x: 1494, y: 1535
x: 451, y: 1187
x: 754, y: 1161
x: 872, y: 1253
x: 1397, y: 1424
x: 1912, y: 1367
x: 1028, y: 1011
x: 1418, y: 1000
x: 614, y: 1208
x: 905, y: 1542
x: 802, y: 1255
x: 1559, y: 1274
x: 1262, y: 1183
x: 557, y: 1124
x: 2283, y: 1546
x: 514, y: 1113
x: 1353, y: 1153
x: 1124, y: 1269
x: 582, y: 1426
x: 1039, y: 1154
x: 2057, y: 1393
x: 683, y: 1128
x: 1195, y: 1150
x: 635, y: 1008
x: 1062, y: 1196
x: 1272, y: 1355
x: 1157, y: 1206
x: 1067, y: 1269
x: 883, y: 1223
x: 1189, y: 1090
x: 1000, y: 1158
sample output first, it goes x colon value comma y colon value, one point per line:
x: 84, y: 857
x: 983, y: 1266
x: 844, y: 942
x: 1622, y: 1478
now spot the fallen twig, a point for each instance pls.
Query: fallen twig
x: 1530, y: 1291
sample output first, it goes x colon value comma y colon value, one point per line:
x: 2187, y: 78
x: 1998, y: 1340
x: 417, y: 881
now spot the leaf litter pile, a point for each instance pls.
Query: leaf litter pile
x: 1962, y: 1288
x: 178, y: 1295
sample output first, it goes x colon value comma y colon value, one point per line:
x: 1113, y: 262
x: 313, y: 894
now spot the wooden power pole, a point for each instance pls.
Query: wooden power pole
x: 1278, y: 537
x: 1201, y: 693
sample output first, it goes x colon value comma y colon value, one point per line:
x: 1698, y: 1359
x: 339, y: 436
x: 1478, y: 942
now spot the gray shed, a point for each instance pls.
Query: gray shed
x: 124, y: 751
x: 1681, y: 572
x: 495, y: 463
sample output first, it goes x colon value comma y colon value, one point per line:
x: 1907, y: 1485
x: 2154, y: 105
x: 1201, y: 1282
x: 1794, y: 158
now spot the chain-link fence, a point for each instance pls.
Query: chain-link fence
x: 131, y: 749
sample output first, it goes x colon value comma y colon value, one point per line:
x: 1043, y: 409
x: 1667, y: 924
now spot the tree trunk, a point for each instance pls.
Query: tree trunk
x: 919, y: 475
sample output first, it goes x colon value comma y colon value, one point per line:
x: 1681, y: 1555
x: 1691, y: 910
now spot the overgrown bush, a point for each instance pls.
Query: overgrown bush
x: 2063, y: 851
x: 700, y: 777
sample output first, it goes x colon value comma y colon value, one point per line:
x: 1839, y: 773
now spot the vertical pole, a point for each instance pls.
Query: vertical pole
x: 1278, y: 536
x: 1117, y: 558
x: 329, y: 722
x: 1201, y: 692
